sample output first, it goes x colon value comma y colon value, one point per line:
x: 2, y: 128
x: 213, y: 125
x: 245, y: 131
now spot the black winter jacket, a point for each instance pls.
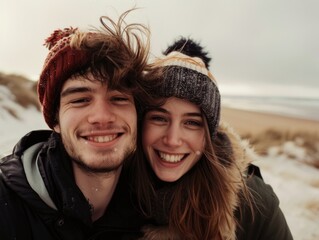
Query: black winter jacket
x: 40, y: 200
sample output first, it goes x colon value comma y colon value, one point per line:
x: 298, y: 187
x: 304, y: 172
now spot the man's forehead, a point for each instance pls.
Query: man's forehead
x: 91, y: 83
x: 79, y: 80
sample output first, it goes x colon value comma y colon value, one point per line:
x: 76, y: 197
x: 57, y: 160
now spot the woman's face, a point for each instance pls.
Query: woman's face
x: 173, y: 138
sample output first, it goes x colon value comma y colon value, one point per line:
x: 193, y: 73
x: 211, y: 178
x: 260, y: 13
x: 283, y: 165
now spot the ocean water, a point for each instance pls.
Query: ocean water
x: 298, y: 107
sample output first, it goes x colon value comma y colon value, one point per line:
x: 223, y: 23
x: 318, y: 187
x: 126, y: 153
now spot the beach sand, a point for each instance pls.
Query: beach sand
x: 248, y: 122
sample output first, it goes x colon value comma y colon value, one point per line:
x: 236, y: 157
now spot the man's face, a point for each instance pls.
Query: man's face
x: 97, y: 125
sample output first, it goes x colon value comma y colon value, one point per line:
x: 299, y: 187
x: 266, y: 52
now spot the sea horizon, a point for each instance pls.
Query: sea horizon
x: 297, y: 107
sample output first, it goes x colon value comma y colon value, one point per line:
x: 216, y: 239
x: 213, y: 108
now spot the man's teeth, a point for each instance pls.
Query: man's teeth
x: 171, y: 157
x: 102, y: 139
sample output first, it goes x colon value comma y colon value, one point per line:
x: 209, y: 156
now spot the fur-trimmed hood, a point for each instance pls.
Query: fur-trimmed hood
x: 243, y: 157
x: 243, y: 151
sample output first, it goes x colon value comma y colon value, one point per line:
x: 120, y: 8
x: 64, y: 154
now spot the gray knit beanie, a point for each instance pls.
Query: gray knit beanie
x: 188, y: 78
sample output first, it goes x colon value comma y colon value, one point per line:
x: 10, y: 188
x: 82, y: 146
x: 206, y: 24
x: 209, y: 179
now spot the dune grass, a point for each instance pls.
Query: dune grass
x: 303, y: 146
x: 22, y: 88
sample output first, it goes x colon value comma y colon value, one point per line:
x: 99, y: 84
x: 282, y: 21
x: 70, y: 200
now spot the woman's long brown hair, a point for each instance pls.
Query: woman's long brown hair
x: 204, y: 200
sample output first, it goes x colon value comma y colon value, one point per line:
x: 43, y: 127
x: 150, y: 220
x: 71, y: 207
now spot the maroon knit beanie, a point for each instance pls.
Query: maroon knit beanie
x: 61, y: 63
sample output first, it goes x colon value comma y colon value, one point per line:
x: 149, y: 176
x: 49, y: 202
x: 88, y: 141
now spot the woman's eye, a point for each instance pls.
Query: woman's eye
x: 194, y: 123
x: 156, y: 118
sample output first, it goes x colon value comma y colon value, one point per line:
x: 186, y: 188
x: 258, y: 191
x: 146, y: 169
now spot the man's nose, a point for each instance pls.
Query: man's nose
x: 101, y: 112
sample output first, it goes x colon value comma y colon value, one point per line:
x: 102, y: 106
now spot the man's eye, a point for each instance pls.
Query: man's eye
x: 79, y: 100
x: 120, y: 99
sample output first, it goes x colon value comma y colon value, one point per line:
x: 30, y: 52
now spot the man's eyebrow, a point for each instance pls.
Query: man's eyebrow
x: 72, y: 90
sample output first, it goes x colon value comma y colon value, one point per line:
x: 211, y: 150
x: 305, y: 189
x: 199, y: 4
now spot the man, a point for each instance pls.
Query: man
x: 59, y: 184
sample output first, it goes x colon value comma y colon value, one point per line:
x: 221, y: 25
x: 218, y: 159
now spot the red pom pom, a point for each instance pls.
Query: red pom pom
x: 58, y: 35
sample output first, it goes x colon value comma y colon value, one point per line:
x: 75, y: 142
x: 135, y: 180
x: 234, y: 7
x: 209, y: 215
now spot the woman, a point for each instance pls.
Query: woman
x: 194, y: 178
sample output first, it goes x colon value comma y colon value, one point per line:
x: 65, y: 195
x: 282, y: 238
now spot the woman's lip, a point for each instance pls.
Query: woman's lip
x: 171, y: 157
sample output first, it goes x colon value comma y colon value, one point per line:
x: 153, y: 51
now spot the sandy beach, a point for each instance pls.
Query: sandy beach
x: 248, y: 122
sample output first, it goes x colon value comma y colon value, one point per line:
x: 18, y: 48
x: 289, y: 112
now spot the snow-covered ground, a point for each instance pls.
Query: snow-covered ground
x: 297, y: 187
x: 13, y: 128
x: 296, y: 184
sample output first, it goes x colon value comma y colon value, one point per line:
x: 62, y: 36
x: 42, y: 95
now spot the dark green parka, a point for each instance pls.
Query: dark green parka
x: 267, y: 221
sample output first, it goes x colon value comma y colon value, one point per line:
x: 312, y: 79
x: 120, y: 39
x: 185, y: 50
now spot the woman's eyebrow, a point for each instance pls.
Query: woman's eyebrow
x: 157, y: 109
x: 193, y: 114
x: 163, y: 110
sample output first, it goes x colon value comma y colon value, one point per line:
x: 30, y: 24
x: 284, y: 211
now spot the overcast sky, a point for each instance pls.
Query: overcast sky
x: 253, y: 43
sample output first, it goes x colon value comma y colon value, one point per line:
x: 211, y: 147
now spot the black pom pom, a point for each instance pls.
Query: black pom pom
x: 189, y: 47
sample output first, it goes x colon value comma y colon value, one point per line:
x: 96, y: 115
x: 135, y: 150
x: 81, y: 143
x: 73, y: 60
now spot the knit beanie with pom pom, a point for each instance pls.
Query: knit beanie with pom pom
x: 61, y: 63
x: 186, y: 76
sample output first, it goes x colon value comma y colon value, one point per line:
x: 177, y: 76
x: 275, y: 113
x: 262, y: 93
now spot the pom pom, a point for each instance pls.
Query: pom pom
x: 58, y: 35
x: 190, y: 48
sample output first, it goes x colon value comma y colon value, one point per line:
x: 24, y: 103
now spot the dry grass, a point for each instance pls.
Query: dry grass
x: 272, y: 138
x: 315, y: 183
x: 12, y: 112
x: 22, y: 88
x: 313, y: 206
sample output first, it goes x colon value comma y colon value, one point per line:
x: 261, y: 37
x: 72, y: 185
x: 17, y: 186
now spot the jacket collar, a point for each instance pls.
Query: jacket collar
x: 39, y: 171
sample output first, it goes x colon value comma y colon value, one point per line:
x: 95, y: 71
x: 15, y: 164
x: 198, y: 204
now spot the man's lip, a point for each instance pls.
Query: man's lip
x: 93, y: 133
x: 101, y: 136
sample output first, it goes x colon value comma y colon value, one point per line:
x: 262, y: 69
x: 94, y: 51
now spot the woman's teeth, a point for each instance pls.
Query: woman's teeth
x: 171, y: 157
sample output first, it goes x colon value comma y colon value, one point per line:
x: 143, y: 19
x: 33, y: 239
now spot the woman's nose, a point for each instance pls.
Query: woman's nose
x: 173, y: 136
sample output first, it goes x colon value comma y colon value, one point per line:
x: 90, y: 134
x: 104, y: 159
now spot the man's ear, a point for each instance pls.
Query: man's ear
x: 57, y: 128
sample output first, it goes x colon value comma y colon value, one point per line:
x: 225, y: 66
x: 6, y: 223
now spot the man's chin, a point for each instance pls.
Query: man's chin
x: 91, y: 168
